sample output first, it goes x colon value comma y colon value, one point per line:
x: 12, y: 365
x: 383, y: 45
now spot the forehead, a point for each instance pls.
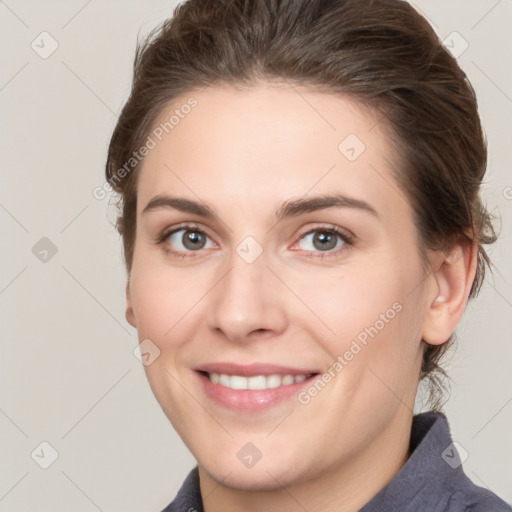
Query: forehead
x: 268, y: 141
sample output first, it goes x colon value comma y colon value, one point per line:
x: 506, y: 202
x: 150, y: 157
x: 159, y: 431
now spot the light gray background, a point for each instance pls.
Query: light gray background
x: 68, y: 373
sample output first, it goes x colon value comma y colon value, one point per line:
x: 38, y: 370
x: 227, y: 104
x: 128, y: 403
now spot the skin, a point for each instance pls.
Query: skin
x: 245, y: 153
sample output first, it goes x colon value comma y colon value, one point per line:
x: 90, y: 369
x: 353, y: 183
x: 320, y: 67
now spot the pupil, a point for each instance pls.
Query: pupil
x: 325, y: 241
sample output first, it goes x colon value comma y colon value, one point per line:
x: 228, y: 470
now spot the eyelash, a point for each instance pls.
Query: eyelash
x: 348, y: 240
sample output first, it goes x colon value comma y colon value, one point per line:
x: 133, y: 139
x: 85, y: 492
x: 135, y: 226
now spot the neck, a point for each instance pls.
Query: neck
x: 346, y: 487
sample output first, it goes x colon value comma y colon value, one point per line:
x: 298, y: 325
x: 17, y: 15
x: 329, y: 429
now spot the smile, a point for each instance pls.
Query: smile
x: 252, y: 388
x: 257, y: 382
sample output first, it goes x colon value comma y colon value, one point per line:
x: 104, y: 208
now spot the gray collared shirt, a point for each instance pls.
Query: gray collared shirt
x: 432, y: 479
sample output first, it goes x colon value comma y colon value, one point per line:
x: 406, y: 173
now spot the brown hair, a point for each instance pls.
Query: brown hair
x: 381, y: 53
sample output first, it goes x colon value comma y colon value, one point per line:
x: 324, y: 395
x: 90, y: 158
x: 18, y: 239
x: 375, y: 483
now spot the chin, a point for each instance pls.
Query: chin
x: 252, y: 479
x: 261, y: 476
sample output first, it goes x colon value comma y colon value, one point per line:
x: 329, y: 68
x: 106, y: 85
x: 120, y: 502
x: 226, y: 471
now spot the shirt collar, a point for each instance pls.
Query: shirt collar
x: 430, y: 474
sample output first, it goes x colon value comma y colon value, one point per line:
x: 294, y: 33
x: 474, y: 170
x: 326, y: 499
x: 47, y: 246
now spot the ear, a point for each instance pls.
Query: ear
x: 130, y: 316
x: 448, y: 296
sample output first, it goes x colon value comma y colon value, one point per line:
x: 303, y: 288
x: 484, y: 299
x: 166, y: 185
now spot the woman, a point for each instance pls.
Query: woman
x: 302, y: 231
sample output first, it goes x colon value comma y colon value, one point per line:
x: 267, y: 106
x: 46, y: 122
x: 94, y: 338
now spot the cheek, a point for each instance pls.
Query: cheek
x: 347, y: 301
x: 366, y: 314
x: 164, y: 309
x: 163, y: 304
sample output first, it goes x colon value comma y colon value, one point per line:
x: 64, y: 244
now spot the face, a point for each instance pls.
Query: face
x: 275, y: 250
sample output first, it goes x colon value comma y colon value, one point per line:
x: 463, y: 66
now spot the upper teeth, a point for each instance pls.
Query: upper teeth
x: 256, y: 382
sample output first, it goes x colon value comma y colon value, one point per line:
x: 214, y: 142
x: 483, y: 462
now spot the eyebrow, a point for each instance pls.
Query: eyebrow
x: 290, y: 208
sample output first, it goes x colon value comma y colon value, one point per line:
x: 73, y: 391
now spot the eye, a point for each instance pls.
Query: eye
x: 321, y: 242
x: 328, y: 240
x: 186, y: 239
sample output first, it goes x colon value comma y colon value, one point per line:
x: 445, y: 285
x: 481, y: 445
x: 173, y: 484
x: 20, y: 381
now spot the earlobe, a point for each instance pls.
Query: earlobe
x: 130, y: 316
x: 452, y: 281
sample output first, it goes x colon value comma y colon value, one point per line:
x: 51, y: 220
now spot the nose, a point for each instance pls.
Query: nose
x: 248, y: 302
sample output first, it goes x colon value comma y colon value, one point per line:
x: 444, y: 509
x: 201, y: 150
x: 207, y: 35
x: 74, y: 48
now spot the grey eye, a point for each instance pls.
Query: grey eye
x: 189, y: 240
x: 321, y: 240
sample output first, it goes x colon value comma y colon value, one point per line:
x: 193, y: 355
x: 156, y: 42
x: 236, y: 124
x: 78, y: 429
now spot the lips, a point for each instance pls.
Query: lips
x: 254, y: 387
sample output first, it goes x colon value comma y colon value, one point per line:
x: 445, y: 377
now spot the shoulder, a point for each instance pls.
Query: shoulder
x: 468, y: 497
x: 434, y: 479
x: 188, y: 498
